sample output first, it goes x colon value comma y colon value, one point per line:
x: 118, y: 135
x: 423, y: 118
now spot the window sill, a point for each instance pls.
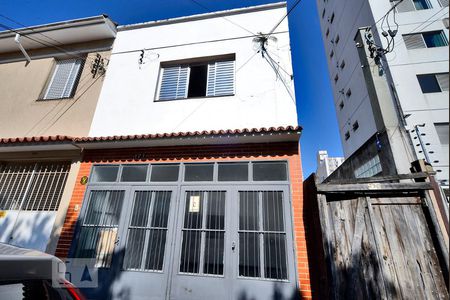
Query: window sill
x: 53, y: 99
x: 194, y: 98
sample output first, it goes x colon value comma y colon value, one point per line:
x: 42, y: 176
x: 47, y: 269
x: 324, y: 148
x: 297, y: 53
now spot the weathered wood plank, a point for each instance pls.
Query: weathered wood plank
x: 385, y: 178
x: 356, y: 251
x: 374, y: 187
x: 396, y: 201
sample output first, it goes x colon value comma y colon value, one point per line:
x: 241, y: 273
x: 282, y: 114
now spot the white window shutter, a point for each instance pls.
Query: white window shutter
x: 174, y: 83
x: 64, y: 79
x: 220, y: 78
x: 443, y: 81
x: 414, y: 41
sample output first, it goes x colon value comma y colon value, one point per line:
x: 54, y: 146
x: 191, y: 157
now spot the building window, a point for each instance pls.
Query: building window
x: 442, y: 131
x: 64, y: 79
x: 425, y: 40
x: 355, y: 126
x: 327, y: 33
x: 411, y: 5
x: 443, y: 3
x: 342, y: 66
x: 369, y: 169
x: 336, y: 78
x: 347, y: 135
x: 341, y: 105
x: 199, y: 79
x: 323, y: 13
x: 433, y: 83
x: 336, y: 40
x: 332, y: 18
x: 331, y: 54
x: 348, y: 93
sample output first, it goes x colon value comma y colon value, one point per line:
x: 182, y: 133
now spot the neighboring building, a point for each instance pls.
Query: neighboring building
x: 55, y: 94
x: 190, y: 184
x: 326, y: 165
x: 416, y: 89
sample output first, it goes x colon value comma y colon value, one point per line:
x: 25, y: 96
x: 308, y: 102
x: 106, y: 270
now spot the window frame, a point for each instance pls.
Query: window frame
x: 50, y: 77
x: 195, y: 62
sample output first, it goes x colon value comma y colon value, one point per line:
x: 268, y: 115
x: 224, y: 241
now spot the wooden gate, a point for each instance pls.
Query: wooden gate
x: 380, y: 245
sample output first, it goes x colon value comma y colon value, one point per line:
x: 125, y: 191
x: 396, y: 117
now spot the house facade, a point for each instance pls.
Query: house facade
x: 190, y: 183
x: 49, y: 91
x: 416, y: 73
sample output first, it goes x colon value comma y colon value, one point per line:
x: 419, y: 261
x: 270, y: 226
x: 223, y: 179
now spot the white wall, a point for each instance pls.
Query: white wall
x: 404, y: 65
x: 127, y: 102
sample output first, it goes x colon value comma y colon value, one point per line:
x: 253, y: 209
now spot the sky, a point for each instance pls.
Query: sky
x: 315, y: 106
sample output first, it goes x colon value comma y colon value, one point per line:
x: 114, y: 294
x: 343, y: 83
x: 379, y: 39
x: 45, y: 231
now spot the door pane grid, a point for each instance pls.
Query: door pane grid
x: 99, y: 227
x: 147, y: 231
x: 262, y: 236
x: 203, y: 233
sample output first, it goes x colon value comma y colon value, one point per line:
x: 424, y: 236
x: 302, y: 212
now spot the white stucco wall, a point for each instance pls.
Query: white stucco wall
x: 127, y: 102
x: 404, y: 66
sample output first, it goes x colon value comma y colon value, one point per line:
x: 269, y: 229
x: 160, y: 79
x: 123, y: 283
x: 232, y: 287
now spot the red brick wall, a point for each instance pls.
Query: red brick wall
x: 274, y: 151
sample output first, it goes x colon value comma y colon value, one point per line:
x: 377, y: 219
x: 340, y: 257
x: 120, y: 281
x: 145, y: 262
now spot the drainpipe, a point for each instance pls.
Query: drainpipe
x: 17, y: 40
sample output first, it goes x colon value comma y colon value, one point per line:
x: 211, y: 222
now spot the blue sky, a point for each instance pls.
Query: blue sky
x: 314, y: 99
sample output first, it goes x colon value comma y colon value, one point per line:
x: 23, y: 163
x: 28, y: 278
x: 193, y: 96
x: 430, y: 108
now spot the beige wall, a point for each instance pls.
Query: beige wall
x: 23, y: 114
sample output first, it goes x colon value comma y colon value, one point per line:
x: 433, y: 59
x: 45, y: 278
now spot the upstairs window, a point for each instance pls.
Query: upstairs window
x: 425, y: 40
x: 442, y: 131
x: 64, y: 79
x: 197, y: 79
x: 412, y: 5
x: 433, y: 83
x: 443, y: 3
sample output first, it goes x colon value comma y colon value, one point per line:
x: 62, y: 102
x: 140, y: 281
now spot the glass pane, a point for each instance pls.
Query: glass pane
x: 134, y: 249
x: 214, y: 253
x: 275, y: 256
x: 190, y: 252
x: 87, y: 242
x: 164, y: 173
x: 134, y: 173
x: 141, y: 208
x: 269, y: 171
x: 435, y: 39
x: 104, y: 173
x: 199, y: 172
x: 421, y: 4
x: 104, y: 208
x: 428, y: 83
x: 155, y: 249
x: 105, y: 246
x: 248, y: 211
x: 161, y: 209
x: 249, y: 254
x: 215, y: 215
x: 272, y: 203
x: 194, y: 210
x: 442, y: 130
x: 233, y: 172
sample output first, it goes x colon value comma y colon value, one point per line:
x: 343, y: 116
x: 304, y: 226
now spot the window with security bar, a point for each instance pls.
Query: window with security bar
x: 99, y: 226
x: 429, y: 39
x: 262, y: 235
x: 32, y: 186
x: 208, y: 78
x: 147, y: 231
x: 64, y: 79
x: 202, y: 250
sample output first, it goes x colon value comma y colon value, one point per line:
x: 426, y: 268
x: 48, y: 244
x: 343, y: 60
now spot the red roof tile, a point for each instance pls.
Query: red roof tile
x: 64, y: 138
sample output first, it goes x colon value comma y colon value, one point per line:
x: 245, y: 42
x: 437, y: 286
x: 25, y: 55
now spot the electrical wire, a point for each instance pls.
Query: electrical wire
x: 226, y: 19
x: 285, y: 16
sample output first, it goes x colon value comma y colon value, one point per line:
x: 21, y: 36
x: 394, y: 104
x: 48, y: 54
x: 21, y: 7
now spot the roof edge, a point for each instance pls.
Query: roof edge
x: 208, y: 15
x: 118, y: 138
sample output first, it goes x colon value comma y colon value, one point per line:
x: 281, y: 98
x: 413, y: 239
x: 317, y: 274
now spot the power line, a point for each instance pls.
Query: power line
x: 285, y: 16
x: 234, y: 23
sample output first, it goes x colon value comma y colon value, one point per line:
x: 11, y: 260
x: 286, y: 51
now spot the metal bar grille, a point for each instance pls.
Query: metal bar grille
x: 147, y: 231
x: 203, y: 233
x: 100, y: 227
x: 64, y: 79
x: 262, y: 235
x: 32, y: 186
